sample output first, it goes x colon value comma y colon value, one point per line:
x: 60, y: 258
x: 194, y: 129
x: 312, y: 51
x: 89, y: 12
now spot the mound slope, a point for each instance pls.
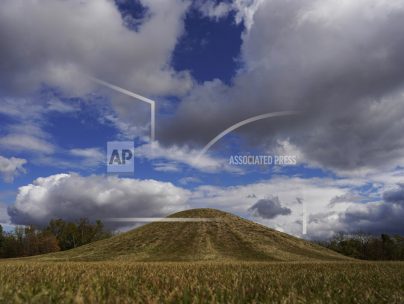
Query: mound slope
x: 227, y: 237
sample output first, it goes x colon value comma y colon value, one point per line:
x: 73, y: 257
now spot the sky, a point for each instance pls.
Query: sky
x: 330, y: 70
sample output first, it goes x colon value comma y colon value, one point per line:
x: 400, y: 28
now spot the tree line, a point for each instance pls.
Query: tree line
x: 367, y: 247
x: 57, y: 235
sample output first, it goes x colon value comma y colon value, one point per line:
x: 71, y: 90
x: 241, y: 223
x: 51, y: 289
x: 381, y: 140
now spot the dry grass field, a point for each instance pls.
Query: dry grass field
x: 231, y: 260
x: 201, y: 282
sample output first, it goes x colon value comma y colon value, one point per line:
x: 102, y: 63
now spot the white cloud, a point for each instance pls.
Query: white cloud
x: 166, y: 167
x: 11, y: 167
x: 189, y: 180
x: 4, y: 218
x: 332, y: 205
x: 26, y: 142
x: 25, y: 131
x: 309, y: 56
x: 33, y: 110
x: 316, y: 193
x: 367, y: 204
x: 175, y: 156
x: 55, y: 105
x: 244, y: 10
x: 70, y: 39
x: 371, y: 217
x: 72, y: 196
x: 211, y: 9
x: 20, y: 108
x: 90, y: 156
x: 88, y: 153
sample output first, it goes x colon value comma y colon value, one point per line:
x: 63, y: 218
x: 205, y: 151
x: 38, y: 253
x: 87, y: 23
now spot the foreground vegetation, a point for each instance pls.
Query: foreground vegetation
x: 24, y: 281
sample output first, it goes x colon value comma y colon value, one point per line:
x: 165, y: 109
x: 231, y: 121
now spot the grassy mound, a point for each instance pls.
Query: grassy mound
x: 225, y: 238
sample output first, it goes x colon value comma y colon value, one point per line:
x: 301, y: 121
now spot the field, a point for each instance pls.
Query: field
x: 229, y: 260
x: 25, y: 281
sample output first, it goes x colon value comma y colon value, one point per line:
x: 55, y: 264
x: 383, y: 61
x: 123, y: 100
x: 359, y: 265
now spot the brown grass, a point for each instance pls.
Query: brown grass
x: 24, y: 281
x: 229, y: 238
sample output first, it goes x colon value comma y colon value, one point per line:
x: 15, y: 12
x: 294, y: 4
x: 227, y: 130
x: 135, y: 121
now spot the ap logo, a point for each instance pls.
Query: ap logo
x: 120, y: 156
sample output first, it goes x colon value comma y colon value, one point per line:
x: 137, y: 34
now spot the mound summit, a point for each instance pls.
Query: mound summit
x: 226, y: 238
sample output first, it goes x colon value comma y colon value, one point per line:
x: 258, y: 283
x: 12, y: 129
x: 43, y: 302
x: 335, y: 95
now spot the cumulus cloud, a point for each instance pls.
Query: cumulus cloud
x: 336, y: 61
x: 339, y: 62
x: 372, y: 217
x: 11, y: 167
x: 269, y: 208
x: 71, y: 196
x: 395, y: 195
x: 366, y: 204
x: 381, y: 214
x: 315, y: 192
x: 375, y: 218
x: 70, y: 39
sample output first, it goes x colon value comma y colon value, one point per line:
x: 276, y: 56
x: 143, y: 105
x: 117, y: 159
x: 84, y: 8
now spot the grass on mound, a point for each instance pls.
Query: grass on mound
x: 228, y: 237
x: 204, y: 282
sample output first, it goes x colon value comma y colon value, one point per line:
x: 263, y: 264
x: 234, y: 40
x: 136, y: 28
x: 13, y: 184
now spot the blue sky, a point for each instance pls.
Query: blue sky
x: 208, y: 65
x: 209, y: 49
